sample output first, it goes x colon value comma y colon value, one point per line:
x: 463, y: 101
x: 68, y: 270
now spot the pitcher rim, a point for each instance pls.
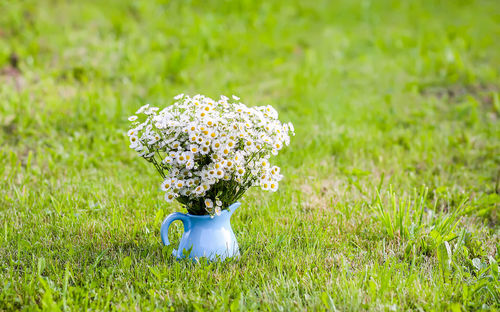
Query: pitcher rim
x: 208, y: 216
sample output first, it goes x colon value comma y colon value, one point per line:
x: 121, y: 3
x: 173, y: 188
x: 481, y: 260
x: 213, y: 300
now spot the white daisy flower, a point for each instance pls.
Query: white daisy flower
x: 240, y: 171
x: 219, y: 173
x: 213, y: 135
x: 167, y: 160
x: 229, y: 164
x: 265, y: 185
x: 137, y: 147
x: 143, y: 108
x: 211, y: 123
x: 194, y: 148
x: 134, y: 139
x: 275, y: 170
x: 170, y: 196
x: 151, y: 110
x: 206, y: 143
x: 193, y: 138
x: 209, y: 203
x: 216, y: 145
x: 199, y: 190
x: 202, y: 114
x: 181, y: 158
x: 179, y: 184
x: 166, y: 185
x: 226, y: 150
x: 231, y: 144
x: 175, y: 145
x: 189, y: 156
x: 153, y: 140
x: 204, y: 150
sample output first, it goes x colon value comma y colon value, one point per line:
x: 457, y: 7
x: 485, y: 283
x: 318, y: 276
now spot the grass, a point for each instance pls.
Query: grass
x: 391, y: 196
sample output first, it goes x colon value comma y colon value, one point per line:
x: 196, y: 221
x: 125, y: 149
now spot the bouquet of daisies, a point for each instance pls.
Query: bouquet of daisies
x: 210, y: 152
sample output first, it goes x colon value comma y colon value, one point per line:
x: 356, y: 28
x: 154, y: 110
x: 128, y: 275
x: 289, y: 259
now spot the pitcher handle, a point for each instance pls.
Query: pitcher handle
x: 233, y: 207
x: 166, y: 224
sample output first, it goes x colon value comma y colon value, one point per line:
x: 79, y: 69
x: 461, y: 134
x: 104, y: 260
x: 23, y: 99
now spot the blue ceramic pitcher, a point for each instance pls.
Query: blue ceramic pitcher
x: 206, y: 236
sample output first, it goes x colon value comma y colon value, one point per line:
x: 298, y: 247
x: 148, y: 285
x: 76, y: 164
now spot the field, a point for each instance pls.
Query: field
x: 391, y: 194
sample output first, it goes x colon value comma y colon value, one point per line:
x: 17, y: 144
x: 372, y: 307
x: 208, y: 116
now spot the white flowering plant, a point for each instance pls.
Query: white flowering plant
x: 209, y: 152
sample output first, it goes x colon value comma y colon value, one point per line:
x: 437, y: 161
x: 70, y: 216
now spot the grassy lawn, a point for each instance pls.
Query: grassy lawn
x: 391, y: 193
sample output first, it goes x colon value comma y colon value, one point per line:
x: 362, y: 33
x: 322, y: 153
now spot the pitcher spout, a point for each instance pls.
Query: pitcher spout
x: 231, y: 209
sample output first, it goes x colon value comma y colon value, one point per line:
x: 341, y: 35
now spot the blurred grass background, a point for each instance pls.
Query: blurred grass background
x: 382, y: 94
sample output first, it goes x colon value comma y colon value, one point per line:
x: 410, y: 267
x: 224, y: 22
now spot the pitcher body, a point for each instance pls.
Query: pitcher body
x: 204, y: 236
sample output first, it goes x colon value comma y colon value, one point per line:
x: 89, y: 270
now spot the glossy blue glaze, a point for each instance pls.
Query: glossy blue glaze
x: 205, y: 236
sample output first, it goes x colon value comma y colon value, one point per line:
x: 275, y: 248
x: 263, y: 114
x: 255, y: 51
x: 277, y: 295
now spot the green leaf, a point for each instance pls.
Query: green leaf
x: 126, y: 263
x: 324, y: 299
x: 41, y: 266
x: 444, y: 258
x: 494, y: 267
